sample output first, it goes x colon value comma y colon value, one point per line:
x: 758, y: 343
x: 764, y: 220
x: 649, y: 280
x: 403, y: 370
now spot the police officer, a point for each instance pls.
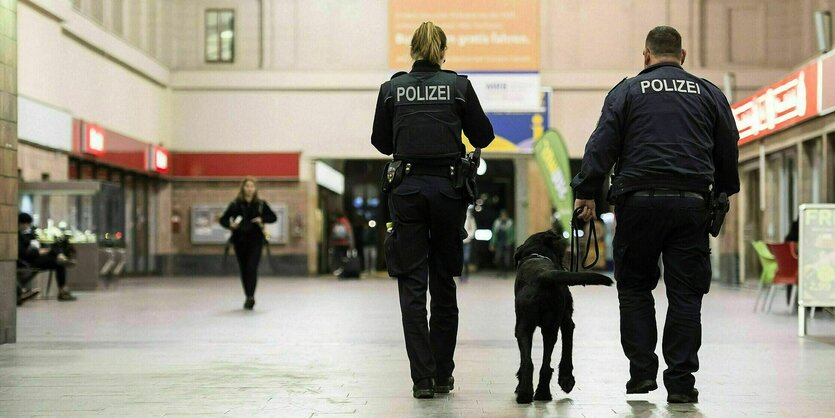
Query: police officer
x: 419, y: 118
x: 674, y: 139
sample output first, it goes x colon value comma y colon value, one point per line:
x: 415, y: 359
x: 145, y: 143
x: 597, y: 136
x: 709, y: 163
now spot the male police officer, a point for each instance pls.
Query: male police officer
x: 419, y: 118
x: 675, y: 142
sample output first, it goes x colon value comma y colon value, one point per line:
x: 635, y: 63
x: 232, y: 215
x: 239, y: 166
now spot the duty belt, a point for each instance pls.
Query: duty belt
x: 668, y: 193
x: 430, y: 170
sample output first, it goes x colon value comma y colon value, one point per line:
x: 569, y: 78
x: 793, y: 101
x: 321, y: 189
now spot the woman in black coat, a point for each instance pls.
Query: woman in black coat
x: 246, y: 216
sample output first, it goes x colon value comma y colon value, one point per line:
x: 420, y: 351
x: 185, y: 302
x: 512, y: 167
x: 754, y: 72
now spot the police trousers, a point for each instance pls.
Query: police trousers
x: 649, y: 227
x: 424, y: 251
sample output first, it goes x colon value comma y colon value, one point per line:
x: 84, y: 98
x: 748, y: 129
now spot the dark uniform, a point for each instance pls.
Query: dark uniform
x: 674, y: 137
x: 419, y: 119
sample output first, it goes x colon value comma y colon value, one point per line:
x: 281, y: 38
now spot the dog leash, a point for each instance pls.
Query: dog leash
x: 574, y: 254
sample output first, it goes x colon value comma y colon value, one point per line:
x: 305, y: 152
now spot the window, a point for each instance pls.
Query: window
x: 220, y: 35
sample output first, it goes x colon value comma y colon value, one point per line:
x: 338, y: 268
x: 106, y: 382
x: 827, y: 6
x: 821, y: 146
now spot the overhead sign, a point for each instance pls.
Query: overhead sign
x: 552, y: 156
x: 329, y: 178
x: 508, y: 92
x: 816, y: 261
x: 827, y: 76
x: 778, y: 106
x: 43, y: 125
x: 93, y: 140
x: 485, y: 35
x: 159, y: 159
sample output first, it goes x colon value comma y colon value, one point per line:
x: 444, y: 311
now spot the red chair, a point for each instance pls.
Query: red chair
x: 786, y: 256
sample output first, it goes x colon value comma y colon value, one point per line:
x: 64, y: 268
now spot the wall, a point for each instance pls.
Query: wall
x: 8, y: 170
x: 188, y: 258
x: 306, y: 67
x: 34, y: 162
x: 67, y: 73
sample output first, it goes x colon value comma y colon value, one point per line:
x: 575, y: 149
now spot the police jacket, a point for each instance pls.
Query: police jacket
x: 420, y: 115
x: 665, y: 128
x: 247, y: 232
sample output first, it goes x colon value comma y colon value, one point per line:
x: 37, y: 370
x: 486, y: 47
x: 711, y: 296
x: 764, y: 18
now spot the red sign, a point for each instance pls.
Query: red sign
x: 778, y: 106
x: 159, y: 159
x: 238, y: 165
x: 93, y: 142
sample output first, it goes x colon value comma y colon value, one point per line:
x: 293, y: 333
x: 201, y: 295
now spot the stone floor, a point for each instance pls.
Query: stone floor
x: 319, y: 347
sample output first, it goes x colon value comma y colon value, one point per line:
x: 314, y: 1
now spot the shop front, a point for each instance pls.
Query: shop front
x: 786, y: 156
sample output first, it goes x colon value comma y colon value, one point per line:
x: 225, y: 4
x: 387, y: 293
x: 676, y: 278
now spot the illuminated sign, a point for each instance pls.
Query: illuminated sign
x: 484, y: 35
x: 159, y: 159
x: 93, y: 142
x: 780, y: 105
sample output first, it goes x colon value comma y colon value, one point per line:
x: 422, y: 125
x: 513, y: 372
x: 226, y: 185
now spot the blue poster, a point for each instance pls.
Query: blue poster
x: 516, y: 132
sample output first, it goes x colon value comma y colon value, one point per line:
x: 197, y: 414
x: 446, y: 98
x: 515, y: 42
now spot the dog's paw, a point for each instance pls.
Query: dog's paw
x: 566, y: 383
x: 543, y: 394
x: 524, y: 397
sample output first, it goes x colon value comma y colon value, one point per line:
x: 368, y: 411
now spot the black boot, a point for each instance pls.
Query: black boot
x: 444, y: 384
x: 691, y: 397
x: 424, y: 389
x: 640, y: 386
x: 249, y: 304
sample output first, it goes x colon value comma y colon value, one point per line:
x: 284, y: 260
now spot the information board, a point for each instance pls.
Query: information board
x: 206, y: 228
x: 816, y: 259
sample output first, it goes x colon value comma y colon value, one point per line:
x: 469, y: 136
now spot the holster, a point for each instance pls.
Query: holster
x: 392, y: 176
x: 465, y: 175
x: 719, y: 206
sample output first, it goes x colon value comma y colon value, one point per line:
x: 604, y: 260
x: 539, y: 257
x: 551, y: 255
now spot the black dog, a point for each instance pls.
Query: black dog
x: 543, y: 300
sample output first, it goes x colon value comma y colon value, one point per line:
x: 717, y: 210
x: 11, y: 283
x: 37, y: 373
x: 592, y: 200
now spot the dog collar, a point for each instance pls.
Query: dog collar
x: 537, y: 255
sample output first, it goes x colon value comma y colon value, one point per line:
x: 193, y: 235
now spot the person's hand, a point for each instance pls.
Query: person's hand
x: 258, y: 221
x: 588, y: 209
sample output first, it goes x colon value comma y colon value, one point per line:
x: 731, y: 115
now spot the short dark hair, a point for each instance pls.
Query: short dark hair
x: 664, y: 41
x: 24, y: 218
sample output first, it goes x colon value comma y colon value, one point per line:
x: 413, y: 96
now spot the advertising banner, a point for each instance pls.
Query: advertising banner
x: 514, y: 92
x: 206, y: 229
x: 552, y: 157
x: 485, y: 35
x: 827, y: 76
x: 778, y: 106
x: 516, y: 132
x: 816, y: 259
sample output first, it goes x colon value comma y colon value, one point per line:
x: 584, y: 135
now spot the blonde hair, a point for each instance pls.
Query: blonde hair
x: 429, y: 43
x: 243, y: 183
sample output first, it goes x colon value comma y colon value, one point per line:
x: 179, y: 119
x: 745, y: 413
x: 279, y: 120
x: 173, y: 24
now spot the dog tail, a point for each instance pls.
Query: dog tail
x: 577, y: 279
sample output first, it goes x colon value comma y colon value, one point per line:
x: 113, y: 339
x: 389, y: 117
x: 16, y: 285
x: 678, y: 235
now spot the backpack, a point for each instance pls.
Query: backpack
x: 339, y: 231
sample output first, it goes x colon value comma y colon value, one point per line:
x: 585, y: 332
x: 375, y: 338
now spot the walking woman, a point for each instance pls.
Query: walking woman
x: 246, y: 217
x: 419, y: 118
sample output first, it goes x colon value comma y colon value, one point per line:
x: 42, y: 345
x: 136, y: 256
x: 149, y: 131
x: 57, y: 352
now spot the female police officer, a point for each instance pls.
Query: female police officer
x: 419, y: 119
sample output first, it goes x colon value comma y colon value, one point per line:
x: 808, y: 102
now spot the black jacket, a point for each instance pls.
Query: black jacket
x: 24, y: 251
x: 665, y: 128
x: 475, y: 124
x: 248, y: 232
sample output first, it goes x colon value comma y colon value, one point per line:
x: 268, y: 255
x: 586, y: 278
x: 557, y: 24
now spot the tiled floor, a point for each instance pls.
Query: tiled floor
x: 174, y: 346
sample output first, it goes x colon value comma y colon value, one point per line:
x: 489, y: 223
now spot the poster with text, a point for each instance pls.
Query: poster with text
x: 816, y: 264
x: 484, y: 35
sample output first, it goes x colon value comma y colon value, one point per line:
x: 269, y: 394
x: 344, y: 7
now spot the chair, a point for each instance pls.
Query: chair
x: 27, y: 272
x: 769, y: 266
x: 785, y: 254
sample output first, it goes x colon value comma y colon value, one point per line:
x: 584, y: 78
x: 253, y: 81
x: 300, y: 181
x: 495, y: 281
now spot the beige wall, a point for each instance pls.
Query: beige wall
x: 35, y: 162
x: 312, y: 49
x: 186, y: 194
x: 57, y: 69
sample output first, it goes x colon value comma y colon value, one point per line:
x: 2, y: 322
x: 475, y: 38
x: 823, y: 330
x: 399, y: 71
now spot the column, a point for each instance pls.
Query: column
x: 8, y: 170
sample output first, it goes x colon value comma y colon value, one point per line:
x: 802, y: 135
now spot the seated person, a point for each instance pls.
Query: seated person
x: 30, y: 254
